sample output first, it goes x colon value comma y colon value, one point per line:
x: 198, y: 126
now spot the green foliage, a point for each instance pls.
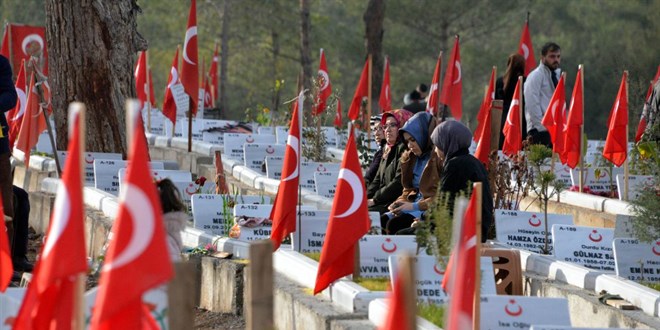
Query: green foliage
x: 646, y: 207
x: 435, y: 234
x: 373, y: 284
x: 432, y: 313
x: 316, y: 256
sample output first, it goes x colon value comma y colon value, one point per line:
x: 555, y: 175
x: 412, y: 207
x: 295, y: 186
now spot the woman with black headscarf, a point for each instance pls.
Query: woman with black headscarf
x: 452, y: 140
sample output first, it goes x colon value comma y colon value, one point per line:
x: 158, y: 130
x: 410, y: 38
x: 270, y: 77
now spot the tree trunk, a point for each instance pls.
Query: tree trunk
x: 277, y: 87
x: 373, y: 21
x: 305, y: 53
x: 92, y: 46
x: 224, y: 57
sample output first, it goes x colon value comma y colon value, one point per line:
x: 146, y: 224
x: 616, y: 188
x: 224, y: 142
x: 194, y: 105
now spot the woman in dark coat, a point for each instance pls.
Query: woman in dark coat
x: 385, y: 186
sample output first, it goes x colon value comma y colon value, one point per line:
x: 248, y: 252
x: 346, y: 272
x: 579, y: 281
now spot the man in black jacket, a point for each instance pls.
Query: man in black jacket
x: 8, y: 99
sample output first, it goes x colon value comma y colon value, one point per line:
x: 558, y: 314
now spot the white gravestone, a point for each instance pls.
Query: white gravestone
x: 254, y: 154
x: 307, y: 170
x: 197, y: 127
x: 636, y: 184
x: 266, y: 130
x: 430, y: 274
x: 525, y: 230
x: 325, y: 183
x: 330, y: 135
x: 155, y: 300
x: 586, y: 246
x: 274, y: 166
x: 313, y: 225
x: 89, y: 162
x: 233, y: 143
x: 637, y: 261
x: 106, y: 174
x: 596, y: 178
x: 557, y: 327
x: 520, y: 312
x: 211, y: 212
x: 281, y: 134
x: 376, y: 249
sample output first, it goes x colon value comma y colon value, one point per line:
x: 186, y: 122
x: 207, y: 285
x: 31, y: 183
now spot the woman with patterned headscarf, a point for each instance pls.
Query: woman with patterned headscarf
x: 386, y: 183
x: 379, y: 138
x: 420, y: 174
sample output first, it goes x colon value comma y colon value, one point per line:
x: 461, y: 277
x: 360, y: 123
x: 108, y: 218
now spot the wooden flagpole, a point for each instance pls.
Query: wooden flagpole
x: 78, y: 320
x: 409, y: 289
x: 477, y: 189
x: 369, y: 80
x: 521, y: 111
x: 581, y: 163
x: 625, y: 164
x: 148, y: 91
x: 11, y: 53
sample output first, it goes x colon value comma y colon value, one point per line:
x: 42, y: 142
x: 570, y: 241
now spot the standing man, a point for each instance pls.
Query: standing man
x: 539, y: 87
x: 7, y: 102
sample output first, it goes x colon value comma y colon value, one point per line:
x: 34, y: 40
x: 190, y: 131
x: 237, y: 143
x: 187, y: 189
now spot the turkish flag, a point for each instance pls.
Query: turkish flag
x: 512, y: 129
x: 397, y: 313
x: 460, y: 277
x: 526, y: 49
x: 616, y: 143
x: 32, y: 125
x: 349, y: 220
x: 385, y: 100
x: 208, y: 97
x: 169, y: 106
x: 15, y: 116
x: 140, y: 74
x: 152, y: 97
x: 284, y: 209
x: 4, y: 46
x: 213, y: 74
x: 573, y: 129
x: 452, y: 87
x: 189, y: 69
x: 486, y: 103
x: 434, y: 91
x: 137, y: 259
x: 27, y: 41
x: 641, y: 127
x: 483, y: 147
x: 325, y: 87
x: 6, y: 266
x: 361, y: 91
x: 555, y: 117
x: 50, y: 296
x: 337, y: 121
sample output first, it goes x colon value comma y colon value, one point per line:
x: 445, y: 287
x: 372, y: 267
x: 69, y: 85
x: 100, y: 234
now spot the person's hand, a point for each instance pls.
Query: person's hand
x: 401, y: 207
x: 415, y: 223
x: 370, y: 203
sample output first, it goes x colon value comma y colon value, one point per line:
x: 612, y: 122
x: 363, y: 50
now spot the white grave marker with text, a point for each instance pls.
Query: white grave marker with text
x: 586, y: 246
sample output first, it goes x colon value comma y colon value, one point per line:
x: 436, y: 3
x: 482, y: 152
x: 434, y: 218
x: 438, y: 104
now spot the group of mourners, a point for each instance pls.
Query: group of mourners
x: 417, y: 159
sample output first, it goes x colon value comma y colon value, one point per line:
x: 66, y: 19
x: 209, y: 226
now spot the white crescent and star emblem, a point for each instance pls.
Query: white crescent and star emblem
x: 32, y: 38
x: 525, y: 50
x: 513, y: 104
x: 175, y: 77
x: 457, y: 64
x: 324, y: 79
x: 190, y: 33
x: 356, y: 186
x: 293, y: 143
x: 22, y: 101
x: 60, y: 218
x: 142, y: 219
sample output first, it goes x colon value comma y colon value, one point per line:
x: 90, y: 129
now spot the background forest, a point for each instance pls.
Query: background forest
x: 263, y: 47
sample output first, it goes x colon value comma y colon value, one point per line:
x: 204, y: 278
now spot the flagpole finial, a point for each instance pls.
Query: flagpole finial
x: 527, y: 20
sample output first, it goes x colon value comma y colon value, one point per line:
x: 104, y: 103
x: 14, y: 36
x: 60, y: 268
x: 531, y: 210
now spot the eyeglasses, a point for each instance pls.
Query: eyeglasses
x: 386, y: 126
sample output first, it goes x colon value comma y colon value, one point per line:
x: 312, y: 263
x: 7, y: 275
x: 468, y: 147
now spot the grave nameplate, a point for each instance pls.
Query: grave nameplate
x: 430, y: 274
x: 586, y: 246
x: 106, y: 174
x: 637, y: 261
x: 313, y: 225
x: 520, y: 312
x: 307, y: 170
x: 557, y: 327
x: 233, y: 143
x: 281, y: 134
x: 255, y: 153
x: 274, y: 167
x: 325, y: 183
x: 209, y: 210
x: 636, y: 184
x: 376, y: 249
x: 89, y: 162
x: 597, y: 179
x: 266, y: 130
x: 525, y: 230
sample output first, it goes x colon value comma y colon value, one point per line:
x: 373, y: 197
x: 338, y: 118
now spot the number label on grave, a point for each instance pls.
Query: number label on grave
x: 526, y: 230
x: 637, y: 261
x: 586, y: 246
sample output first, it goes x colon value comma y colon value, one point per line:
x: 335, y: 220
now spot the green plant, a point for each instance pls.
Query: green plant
x: 373, y: 284
x: 434, y: 235
x: 544, y: 184
x: 432, y: 313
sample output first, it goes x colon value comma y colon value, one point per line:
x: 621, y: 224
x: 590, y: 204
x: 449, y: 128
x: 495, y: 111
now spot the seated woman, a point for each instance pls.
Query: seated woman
x: 452, y: 140
x: 385, y: 186
x: 174, y: 216
x: 379, y: 138
x: 420, y: 175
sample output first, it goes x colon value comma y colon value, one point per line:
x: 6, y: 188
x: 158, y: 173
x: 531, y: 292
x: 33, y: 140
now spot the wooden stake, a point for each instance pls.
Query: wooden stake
x: 521, y: 110
x: 190, y: 112
x: 407, y: 278
x: 259, y: 305
x: 581, y: 163
x: 366, y: 122
x: 356, y: 261
x: 148, y: 91
x: 625, y: 164
x: 181, y: 303
x: 495, y: 124
x: 78, y: 320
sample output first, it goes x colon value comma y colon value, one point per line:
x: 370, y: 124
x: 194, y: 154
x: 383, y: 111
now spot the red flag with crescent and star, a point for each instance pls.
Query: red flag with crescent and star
x: 361, y: 92
x: 140, y: 75
x: 284, y: 209
x: 325, y: 87
x: 26, y: 41
x: 452, y: 87
x: 555, y: 117
x: 512, y: 130
x: 15, y: 116
x: 337, y: 121
x: 50, y: 296
x: 573, y: 129
x: 349, y: 220
x: 385, y: 99
x: 641, y: 126
x: 484, y: 109
x: 526, y: 49
x: 213, y: 74
x: 137, y: 258
x: 434, y: 91
x: 169, y: 105
x: 616, y: 143
x: 32, y: 125
x: 189, y: 67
